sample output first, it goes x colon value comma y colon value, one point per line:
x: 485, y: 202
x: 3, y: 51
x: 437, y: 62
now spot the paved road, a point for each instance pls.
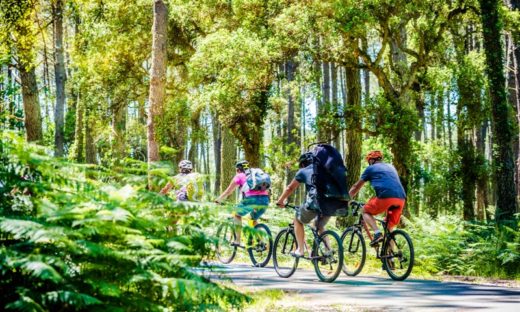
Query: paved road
x: 374, y: 293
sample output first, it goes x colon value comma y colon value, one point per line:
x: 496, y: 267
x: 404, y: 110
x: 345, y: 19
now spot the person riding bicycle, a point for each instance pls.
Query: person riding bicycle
x: 253, y: 202
x: 187, y: 184
x: 389, y: 193
x: 305, y: 213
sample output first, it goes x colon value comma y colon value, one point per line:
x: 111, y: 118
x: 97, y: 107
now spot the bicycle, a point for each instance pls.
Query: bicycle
x: 259, y: 244
x: 396, y: 253
x: 327, y: 252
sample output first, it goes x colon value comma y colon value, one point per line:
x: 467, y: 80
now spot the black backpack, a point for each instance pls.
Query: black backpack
x: 330, y: 173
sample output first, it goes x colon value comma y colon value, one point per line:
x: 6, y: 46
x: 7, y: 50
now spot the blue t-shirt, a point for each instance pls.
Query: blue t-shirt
x: 304, y: 175
x: 385, y: 181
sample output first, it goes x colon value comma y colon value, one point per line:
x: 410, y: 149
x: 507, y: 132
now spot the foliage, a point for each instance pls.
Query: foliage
x: 448, y: 245
x: 72, y: 243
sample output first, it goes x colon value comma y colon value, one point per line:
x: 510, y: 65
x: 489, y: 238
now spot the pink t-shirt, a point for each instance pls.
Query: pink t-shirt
x: 241, y: 178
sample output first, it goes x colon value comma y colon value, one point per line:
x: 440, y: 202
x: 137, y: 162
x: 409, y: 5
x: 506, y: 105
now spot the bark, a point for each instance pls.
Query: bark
x: 353, y: 133
x: 325, y: 90
x: 60, y: 78
x: 503, y: 123
x: 217, y: 146
x: 79, y: 132
x: 90, y: 147
x: 119, y: 110
x: 482, y: 176
x: 290, y: 68
x: 335, y: 105
x: 31, y: 105
x: 157, y: 77
x: 195, y: 135
x: 228, y: 157
x: 513, y: 97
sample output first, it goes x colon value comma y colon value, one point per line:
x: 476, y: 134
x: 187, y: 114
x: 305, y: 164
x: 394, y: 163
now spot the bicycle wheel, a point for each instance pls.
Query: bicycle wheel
x: 225, y: 236
x: 260, y: 245
x: 327, y: 255
x: 398, y: 255
x: 354, y: 251
x: 284, y: 263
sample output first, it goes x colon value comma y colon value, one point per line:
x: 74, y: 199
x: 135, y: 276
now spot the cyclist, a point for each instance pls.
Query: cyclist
x: 321, y: 211
x: 389, y: 193
x: 188, y: 185
x: 253, y: 202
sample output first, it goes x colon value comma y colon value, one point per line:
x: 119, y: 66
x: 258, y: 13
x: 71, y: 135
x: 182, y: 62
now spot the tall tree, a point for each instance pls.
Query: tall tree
x: 60, y: 77
x: 17, y: 33
x: 503, y: 123
x: 157, y: 76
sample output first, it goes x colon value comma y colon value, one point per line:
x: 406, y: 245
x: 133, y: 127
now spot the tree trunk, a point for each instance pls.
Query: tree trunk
x: 335, y: 105
x: 195, y: 136
x: 90, y: 147
x: 217, y: 147
x: 119, y: 128
x: 31, y: 105
x: 157, y: 77
x: 60, y: 78
x: 503, y: 123
x: 79, y: 132
x: 325, y: 105
x: 353, y: 133
x: 482, y: 176
x: 228, y: 158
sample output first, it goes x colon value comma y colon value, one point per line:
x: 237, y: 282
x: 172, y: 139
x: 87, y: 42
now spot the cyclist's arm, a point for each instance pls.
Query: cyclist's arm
x: 288, y: 191
x: 166, y: 188
x: 356, y: 187
x: 232, y: 186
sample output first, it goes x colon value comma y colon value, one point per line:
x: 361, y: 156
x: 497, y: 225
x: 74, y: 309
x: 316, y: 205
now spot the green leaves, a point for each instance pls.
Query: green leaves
x: 90, y: 245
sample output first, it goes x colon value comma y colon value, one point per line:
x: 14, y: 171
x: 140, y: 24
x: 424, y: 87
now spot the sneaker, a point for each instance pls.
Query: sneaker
x: 377, y: 238
x: 296, y: 254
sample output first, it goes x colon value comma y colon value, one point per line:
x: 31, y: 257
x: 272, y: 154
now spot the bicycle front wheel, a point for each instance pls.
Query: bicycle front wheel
x: 260, y: 245
x: 327, y: 254
x: 398, y: 255
x: 354, y: 251
x: 225, y: 236
x: 284, y: 263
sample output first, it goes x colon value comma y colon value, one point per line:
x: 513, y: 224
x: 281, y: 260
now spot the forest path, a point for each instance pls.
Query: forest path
x: 376, y: 293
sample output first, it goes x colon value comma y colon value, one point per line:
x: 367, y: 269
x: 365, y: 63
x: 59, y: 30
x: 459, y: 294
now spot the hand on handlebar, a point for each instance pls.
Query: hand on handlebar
x: 281, y: 204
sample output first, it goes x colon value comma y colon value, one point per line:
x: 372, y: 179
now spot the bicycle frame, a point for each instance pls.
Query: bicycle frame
x: 361, y: 224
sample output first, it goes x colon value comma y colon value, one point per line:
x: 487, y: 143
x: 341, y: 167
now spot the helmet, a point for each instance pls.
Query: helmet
x: 306, y: 159
x: 185, y: 166
x: 243, y: 165
x: 375, y: 155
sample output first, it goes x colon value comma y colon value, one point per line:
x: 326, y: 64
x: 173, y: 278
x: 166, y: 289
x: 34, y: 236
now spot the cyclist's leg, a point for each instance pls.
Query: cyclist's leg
x: 303, y: 216
x: 393, y: 215
x: 321, y: 222
x: 259, y: 205
x: 372, y: 207
x: 242, y: 209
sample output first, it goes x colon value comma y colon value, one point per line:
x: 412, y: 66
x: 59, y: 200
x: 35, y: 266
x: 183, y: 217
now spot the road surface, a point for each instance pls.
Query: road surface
x: 377, y: 293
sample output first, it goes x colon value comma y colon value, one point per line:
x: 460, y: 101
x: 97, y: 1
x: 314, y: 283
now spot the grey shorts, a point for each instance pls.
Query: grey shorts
x: 305, y: 216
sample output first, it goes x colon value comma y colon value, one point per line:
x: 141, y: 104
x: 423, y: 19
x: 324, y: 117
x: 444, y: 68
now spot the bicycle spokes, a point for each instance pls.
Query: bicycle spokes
x: 398, y: 255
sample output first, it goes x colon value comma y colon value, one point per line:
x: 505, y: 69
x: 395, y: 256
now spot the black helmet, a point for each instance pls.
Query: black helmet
x: 306, y: 159
x: 242, y: 165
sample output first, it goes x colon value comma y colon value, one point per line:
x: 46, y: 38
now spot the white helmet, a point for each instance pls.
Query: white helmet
x: 185, y: 166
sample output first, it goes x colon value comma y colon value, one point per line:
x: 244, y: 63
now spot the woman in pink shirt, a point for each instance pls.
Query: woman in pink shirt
x: 253, y: 202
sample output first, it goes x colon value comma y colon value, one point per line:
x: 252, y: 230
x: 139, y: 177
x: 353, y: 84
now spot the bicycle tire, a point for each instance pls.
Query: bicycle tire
x: 335, y: 257
x: 405, y: 255
x: 284, y: 263
x: 354, y: 251
x: 224, y: 241
x: 258, y: 248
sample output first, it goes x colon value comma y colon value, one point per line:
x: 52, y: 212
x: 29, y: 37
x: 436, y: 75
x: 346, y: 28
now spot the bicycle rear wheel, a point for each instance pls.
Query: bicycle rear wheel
x: 354, y: 251
x: 328, y: 256
x: 225, y: 236
x: 398, y: 255
x: 284, y: 263
x: 260, y: 245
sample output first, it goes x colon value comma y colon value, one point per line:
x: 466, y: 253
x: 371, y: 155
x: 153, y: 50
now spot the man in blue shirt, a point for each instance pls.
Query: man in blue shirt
x: 389, y: 193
